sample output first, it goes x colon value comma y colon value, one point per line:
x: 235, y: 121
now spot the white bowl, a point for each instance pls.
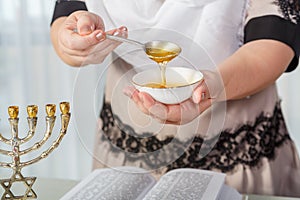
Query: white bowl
x: 182, y: 82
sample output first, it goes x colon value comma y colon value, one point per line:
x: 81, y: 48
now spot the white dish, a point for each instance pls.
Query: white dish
x: 182, y: 82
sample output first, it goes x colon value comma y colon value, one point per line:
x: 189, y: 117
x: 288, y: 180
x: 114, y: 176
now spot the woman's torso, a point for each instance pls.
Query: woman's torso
x: 228, y: 137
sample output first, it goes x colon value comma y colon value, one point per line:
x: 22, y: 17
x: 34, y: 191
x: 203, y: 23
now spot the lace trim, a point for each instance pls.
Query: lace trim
x: 246, y: 145
x: 290, y: 9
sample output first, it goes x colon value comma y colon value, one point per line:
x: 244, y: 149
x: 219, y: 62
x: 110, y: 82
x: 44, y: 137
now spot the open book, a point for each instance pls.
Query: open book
x: 135, y: 183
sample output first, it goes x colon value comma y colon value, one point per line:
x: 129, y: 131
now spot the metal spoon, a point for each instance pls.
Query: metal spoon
x: 157, y: 50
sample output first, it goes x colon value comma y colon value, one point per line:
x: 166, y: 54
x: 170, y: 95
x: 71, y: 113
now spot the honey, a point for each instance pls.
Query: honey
x: 162, y: 57
x: 155, y: 85
x: 160, y: 85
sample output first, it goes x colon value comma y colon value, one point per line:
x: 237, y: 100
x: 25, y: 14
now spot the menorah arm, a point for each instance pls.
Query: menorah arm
x: 65, y: 118
x: 32, y: 121
x: 49, y: 127
x: 6, y: 165
x: 9, y: 153
x: 3, y: 139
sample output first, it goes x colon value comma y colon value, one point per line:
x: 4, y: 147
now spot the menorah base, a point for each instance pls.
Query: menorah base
x: 7, y: 184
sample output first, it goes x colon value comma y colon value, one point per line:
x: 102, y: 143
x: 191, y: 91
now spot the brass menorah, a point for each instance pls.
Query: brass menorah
x: 15, y: 141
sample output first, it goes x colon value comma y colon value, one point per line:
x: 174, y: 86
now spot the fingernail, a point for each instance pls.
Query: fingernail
x: 202, y: 96
x: 85, y: 30
x: 123, y: 31
x: 123, y: 28
x: 116, y: 33
x: 99, y: 36
x: 196, y: 98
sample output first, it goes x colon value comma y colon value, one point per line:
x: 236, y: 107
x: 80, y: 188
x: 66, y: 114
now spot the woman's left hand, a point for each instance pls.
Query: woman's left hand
x: 177, y: 114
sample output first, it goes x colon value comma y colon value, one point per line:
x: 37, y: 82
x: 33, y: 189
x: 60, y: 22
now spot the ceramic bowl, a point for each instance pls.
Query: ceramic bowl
x: 180, y: 82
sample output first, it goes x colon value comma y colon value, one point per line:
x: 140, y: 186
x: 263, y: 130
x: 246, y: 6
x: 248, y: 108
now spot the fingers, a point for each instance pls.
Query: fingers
x: 176, y: 114
x: 84, y: 29
x: 86, y: 45
x: 88, y: 22
x: 200, y: 93
x: 206, y: 103
x: 133, y: 94
x: 155, y: 109
x: 121, y: 32
x: 80, y: 39
x: 149, y: 106
x: 89, y: 49
x: 84, y: 22
x: 146, y: 103
x: 73, y: 42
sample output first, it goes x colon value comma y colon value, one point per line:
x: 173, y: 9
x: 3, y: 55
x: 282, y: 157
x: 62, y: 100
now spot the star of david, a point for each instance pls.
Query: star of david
x: 7, y: 184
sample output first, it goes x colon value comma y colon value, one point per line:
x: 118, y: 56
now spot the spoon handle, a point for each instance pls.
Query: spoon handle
x: 121, y: 39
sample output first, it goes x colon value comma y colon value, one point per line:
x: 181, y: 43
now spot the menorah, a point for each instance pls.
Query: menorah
x: 15, y: 141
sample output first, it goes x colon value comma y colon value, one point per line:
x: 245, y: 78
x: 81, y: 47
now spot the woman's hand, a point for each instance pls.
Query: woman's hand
x: 176, y: 114
x: 79, y: 39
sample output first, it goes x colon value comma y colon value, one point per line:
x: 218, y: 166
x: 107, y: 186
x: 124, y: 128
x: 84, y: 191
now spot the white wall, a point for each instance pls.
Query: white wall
x: 289, y: 91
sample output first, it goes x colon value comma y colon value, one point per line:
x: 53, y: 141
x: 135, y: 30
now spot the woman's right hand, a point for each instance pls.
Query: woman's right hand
x: 79, y: 39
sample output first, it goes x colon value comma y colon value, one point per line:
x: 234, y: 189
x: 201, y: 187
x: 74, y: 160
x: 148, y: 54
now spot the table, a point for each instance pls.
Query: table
x: 54, y: 189
x: 260, y: 197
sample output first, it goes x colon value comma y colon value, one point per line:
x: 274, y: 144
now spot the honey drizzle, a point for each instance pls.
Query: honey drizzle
x: 162, y: 57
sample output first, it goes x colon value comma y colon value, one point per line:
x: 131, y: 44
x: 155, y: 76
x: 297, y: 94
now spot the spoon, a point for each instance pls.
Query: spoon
x: 159, y: 51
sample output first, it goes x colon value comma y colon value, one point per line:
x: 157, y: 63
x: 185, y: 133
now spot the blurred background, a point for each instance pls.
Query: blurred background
x: 31, y: 73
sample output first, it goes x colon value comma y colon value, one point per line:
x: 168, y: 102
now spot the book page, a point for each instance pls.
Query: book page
x: 131, y: 183
x: 188, y: 184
